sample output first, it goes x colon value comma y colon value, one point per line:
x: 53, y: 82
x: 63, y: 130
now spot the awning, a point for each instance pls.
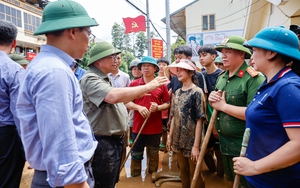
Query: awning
x: 178, y: 21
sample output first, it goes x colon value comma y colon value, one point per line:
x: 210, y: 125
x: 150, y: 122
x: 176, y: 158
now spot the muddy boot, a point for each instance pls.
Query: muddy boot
x: 152, y: 155
x: 136, y: 160
x: 135, y: 168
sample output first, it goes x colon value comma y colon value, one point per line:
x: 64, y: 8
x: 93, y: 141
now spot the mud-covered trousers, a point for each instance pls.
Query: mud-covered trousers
x: 107, y: 161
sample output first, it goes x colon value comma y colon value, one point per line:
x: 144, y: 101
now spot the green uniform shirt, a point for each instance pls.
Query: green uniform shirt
x: 106, y: 119
x: 240, y: 90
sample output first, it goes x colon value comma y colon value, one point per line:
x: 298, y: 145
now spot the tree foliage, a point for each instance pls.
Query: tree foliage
x: 84, y: 61
x: 133, y: 45
x: 141, y: 44
x: 179, y: 42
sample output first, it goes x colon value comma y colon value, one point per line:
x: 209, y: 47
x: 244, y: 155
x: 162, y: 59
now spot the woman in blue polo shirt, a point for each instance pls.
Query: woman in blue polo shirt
x: 273, y: 153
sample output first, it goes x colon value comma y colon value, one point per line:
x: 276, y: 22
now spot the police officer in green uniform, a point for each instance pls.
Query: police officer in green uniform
x: 235, y: 89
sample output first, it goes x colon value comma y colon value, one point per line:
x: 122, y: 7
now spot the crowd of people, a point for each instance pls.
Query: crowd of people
x: 73, y: 125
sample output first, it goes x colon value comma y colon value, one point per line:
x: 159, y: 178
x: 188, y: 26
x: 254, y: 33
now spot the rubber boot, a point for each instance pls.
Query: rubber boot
x: 136, y: 160
x: 152, y: 155
x: 135, y: 168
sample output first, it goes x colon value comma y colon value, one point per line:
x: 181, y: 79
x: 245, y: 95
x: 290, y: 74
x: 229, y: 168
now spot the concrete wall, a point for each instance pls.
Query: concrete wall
x: 264, y: 14
x: 228, y: 15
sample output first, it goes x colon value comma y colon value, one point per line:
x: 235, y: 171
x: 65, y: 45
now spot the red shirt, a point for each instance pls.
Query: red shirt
x: 154, y: 123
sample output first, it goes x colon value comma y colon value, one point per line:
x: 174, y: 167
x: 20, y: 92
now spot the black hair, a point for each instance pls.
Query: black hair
x: 194, y: 77
x: 295, y: 29
x: 295, y: 63
x: 60, y: 32
x: 186, y: 50
x: 8, y: 33
x: 296, y: 67
x: 176, y: 50
x: 55, y: 33
x: 287, y: 60
x: 208, y: 48
x: 162, y: 59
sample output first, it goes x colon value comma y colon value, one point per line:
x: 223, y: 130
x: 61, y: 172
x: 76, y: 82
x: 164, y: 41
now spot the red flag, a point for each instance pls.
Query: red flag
x: 134, y: 24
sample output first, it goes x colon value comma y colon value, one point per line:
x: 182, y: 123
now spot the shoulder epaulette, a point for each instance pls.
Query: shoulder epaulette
x: 252, y: 71
x: 222, y: 72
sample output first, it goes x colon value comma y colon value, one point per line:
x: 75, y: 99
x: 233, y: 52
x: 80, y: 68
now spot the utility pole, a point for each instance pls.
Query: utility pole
x: 148, y: 28
x: 168, y: 31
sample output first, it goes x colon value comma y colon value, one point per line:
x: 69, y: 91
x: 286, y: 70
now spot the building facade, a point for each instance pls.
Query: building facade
x: 27, y: 18
x: 209, y: 22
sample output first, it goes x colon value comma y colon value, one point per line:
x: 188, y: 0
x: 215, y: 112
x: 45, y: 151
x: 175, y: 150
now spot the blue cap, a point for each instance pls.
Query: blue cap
x: 277, y: 39
x: 150, y: 60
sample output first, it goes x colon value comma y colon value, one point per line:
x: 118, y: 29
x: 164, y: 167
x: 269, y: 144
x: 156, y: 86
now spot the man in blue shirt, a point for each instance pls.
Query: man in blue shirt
x: 12, y: 156
x: 56, y: 134
x: 78, y: 71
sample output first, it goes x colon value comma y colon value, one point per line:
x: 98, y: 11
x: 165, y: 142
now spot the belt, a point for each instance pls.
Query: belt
x: 8, y: 129
x: 121, y: 136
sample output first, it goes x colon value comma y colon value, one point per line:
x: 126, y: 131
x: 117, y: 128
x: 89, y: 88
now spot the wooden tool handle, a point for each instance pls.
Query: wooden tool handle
x: 242, y: 154
x: 203, y: 147
x: 138, y: 135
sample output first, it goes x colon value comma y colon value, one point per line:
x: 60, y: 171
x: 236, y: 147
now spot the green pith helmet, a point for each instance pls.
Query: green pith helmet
x: 101, y: 50
x: 234, y: 42
x: 150, y: 60
x: 218, y: 59
x: 64, y: 14
x: 19, y: 59
x: 134, y: 63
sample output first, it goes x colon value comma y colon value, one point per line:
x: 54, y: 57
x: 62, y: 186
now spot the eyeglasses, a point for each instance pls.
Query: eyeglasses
x: 114, y: 56
x: 90, y: 35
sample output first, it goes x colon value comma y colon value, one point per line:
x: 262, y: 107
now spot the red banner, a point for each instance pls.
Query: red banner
x: 30, y: 55
x: 157, y: 48
x: 134, y: 24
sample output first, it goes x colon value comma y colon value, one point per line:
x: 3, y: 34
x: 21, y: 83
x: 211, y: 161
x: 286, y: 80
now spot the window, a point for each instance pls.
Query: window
x: 208, y: 22
x: 31, y: 22
x: 10, y: 14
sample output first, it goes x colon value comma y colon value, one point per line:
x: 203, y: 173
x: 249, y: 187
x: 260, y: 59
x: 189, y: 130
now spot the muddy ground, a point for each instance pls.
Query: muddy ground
x: 167, y: 164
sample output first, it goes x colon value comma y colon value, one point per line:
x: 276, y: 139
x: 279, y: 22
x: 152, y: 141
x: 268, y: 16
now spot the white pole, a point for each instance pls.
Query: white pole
x: 168, y: 31
x: 148, y: 29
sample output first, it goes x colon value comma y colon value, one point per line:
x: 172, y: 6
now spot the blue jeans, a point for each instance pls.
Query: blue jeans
x: 107, y: 161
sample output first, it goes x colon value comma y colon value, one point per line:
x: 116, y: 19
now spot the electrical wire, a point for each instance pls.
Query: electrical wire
x: 237, y: 11
x: 200, y: 26
x: 149, y: 19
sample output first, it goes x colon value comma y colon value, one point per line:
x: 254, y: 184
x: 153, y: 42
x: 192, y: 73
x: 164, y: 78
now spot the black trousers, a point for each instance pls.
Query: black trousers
x: 12, y: 157
x: 107, y: 161
x: 39, y: 177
